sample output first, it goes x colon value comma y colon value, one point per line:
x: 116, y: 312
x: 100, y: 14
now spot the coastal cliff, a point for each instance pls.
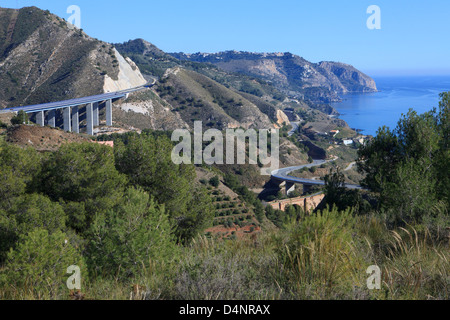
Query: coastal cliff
x: 293, y: 75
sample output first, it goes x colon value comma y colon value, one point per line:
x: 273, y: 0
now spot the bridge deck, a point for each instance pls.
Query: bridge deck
x: 76, y: 102
x: 283, y: 175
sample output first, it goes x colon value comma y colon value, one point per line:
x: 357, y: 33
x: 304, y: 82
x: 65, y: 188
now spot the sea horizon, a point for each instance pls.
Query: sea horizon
x: 367, y: 112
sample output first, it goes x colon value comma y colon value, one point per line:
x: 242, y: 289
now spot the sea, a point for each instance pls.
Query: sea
x: 397, y: 94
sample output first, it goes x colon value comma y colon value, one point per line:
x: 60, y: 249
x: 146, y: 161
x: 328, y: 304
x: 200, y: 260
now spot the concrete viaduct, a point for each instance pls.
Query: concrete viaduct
x: 282, y: 176
x: 71, y: 110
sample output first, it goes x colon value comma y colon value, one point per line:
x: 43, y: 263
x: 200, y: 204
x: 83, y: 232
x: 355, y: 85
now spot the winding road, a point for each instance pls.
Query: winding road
x: 283, y: 175
x: 295, y: 126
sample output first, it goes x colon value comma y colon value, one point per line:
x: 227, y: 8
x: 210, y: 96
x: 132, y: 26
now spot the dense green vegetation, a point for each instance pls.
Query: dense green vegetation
x: 116, y: 211
x: 408, y: 167
x: 20, y: 118
x: 406, y: 170
x: 130, y: 217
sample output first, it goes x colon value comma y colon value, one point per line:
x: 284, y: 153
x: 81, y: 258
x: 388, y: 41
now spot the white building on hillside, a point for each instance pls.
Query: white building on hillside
x: 348, y: 142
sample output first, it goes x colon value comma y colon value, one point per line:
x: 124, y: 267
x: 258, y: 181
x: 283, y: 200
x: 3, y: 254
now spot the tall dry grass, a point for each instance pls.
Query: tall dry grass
x: 322, y: 256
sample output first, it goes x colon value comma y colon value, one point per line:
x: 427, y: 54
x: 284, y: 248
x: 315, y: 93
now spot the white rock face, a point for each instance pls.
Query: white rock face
x: 145, y: 108
x: 129, y: 76
x: 282, y: 118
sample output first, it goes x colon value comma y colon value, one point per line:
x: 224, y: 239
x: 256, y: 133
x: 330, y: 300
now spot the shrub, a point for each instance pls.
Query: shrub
x: 38, y: 266
x: 20, y: 118
x: 320, y: 251
x: 224, y: 274
x: 25, y: 214
x: 215, y: 182
x: 83, y: 173
x: 125, y: 240
x: 18, y: 167
x: 146, y: 160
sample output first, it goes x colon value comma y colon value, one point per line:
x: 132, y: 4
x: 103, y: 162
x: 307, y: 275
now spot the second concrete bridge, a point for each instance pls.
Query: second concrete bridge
x: 282, y: 176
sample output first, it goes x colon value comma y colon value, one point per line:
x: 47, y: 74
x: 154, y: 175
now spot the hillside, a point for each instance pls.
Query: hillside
x: 146, y: 110
x: 220, y: 91
x: 154, y: 62
x: 41, y: 138
x: 198, y: 98
x: 198, y: 91
x: 291, y: 74
x: 43, y: 59
x: 114, y: 216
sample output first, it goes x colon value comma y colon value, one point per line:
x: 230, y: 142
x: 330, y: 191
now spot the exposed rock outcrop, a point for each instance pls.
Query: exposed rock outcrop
x: 345, y: 78
x: 282, y: 118
x: 129, y: 76
x: 146, y: 110
x: 295, y: 76
x: 44, y: 59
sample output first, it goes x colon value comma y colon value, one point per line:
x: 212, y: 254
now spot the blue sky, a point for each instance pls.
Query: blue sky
x: 413, y: 39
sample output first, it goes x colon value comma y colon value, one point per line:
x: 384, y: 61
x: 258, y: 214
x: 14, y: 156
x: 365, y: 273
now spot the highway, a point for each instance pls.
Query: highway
x: 295, y: 126
x: 283, y: 175
x: 77, y: 102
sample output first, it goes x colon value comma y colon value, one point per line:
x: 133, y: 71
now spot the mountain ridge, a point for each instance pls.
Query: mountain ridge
x: 203, y: 92
x: 39, y: 62
x: 42, y: 60
x: 290, y: 73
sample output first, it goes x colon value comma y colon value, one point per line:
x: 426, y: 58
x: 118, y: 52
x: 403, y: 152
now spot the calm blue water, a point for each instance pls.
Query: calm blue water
x: 397, y: 95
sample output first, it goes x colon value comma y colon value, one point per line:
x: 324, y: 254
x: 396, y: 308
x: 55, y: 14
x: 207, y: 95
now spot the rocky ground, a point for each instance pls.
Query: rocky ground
x: 41, y: 138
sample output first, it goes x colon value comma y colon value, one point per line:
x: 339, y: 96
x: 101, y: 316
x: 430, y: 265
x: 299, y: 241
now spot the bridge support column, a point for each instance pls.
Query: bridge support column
x: 75, y: 120
x: 95, y: 114
x: 89, y: 119
x: 108, y: 105
x: 290, y: 187
x: 40, y: 118
x: 52, y: 118
x: 67, y: 120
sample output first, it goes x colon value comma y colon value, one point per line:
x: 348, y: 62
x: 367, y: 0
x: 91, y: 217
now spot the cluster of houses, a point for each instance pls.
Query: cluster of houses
x: 347, y: 142
x: 361, y: 140
x: 337, y: 141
